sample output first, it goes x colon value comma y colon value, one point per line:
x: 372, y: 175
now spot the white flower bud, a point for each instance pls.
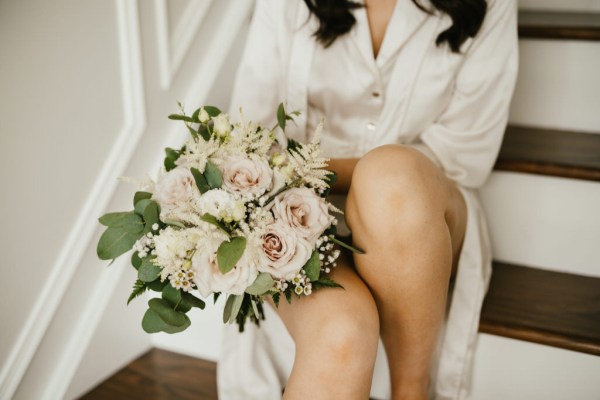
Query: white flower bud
x: 203, y: 116
x: 222, y: 126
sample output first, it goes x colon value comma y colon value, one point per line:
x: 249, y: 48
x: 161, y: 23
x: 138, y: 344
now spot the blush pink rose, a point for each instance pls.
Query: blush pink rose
x: 283, y: 253
x: 305, y: 212
x: 174, y: 188
x: 246, y: 176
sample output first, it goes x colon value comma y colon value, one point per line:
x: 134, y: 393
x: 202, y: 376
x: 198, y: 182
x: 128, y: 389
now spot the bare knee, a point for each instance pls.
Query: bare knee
x: 395, y: 183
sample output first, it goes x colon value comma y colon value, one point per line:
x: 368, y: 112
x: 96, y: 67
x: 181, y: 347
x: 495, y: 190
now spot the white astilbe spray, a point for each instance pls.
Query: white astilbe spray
x: 197, y: 152
x: 146, y: 184
x: 309, y: 165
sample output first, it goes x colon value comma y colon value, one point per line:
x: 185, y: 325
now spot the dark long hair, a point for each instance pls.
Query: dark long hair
x: 335, y: 19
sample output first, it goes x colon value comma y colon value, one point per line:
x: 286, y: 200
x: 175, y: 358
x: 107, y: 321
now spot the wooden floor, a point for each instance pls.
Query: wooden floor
x: 162, y: 375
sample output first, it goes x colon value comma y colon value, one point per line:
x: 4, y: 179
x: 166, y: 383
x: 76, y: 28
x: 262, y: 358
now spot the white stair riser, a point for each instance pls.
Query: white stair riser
x: 551, y: 223
x: 558, y: 85
x: 516, y: 370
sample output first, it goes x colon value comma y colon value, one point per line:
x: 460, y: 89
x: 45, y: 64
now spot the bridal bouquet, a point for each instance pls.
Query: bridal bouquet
x: 235, y: 212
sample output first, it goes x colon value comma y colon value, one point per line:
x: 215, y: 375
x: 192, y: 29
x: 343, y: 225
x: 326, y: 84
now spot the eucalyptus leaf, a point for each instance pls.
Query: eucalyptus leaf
x: 212, y: 110
x: 127, y: 220
x: 213, y: 176
x: 141, y: 205
x: 232, y: 307
x: 157, y: 285
x: 152, y: 323
x: 136, y: 261
x: 281, y: 120
x: 211, y: 219
x: 179, y: 117
x: 151, y: 216
x: 313, y: 266
x: 148, y: 271
x: 262, y: 284
x: 114, y: 242
x: 192, y: 300
x: 201, y: 183
x: 166, y: 312
x: 204, y: 132
x: 229, y: 253
x: 141, y: 196
x: 171, y: 295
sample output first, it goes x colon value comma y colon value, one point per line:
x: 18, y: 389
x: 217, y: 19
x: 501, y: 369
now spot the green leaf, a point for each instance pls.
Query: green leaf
x: 195, y: 115
x: 114, y: 242
x: 326, y: 282
x: 148, y: 271
x: 141, y: 205
x: 179, y: 117
x: 136, y: 261
x: 152, y: 323
x: 203, y: 186
x: 281, y: 116
x: 129, y: 221
x: 262, y: 284
x: 139, y: 288
x: 313, y: 266
x: 157, y: 285
x: 166, y: 313
x: 232, y: 307
x: 213, y: 176
x: 212, y: 110
x: 151, y: 216
x: 204, y: 132
x: 171, y: 295
x: 141, y: 196
x: 211, y: 219
x: 216, y: 297
x: 293, y: 145
x: 346, y: 246
x: 288, y: 295
x: 254, y: 308
x: 229, y: 253
x: 276, y: 297
x: 192, y: 300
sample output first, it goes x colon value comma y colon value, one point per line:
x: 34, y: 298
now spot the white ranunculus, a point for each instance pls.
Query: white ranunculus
x: 173, y: 189
x: 221, y: 204
x: 246, y: 175
x: 303, y: 211
x: 209, y: 278
x: 222, y: 126
x: 283, y: 253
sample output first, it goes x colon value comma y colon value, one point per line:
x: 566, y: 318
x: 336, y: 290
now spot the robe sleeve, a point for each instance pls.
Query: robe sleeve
x: 466, y: 137
x: 260, y: 77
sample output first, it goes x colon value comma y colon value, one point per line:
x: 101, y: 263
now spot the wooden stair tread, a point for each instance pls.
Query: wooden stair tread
x: 559, y: 25
x: 158, y: 375
x: 552, y: 308
x: 551, y: 152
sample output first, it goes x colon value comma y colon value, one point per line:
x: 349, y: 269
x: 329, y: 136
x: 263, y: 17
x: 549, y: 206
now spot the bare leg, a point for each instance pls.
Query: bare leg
x: 336, y: 333
x: 411, y: 220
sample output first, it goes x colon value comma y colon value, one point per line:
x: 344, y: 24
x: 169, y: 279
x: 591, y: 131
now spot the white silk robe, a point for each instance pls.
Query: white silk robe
x: 453, y: 107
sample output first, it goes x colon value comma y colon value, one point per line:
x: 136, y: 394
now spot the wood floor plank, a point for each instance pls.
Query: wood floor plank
x: 160, y: 375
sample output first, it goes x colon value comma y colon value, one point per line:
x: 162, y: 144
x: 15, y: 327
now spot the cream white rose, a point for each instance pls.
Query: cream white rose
x: 173, y: 189
x: 283, y: 253
x: 221, y: 204
x: 209, y: 278
x: 246, y: 175
x: 305, y: 212
x: 222, y: 126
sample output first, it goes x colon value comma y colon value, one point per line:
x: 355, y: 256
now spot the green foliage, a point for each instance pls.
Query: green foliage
x: 136, y: 261
x: 166, y: 312
x: 229, y: 253
x: 211, y: 219
x: 293, y: 145
x: 232, y: 307
x: 115, y: 241
x: 148, y: 271
x: 201, y: 183
x: 313, y: 266
x: 276, y: 297
x: 288, y: 295
x: 171, y: 156
x: 213, y: 176
x: 151, y: 216
x: 139, y: 287
x: 212, y: 110
x: 281, y: 120
x: 140, y: 206
x: 152, y: 323
x: 204, y: 132
x: 157, y: 285
x: 129, y: 221
x: 326, y: 282
x: 140, y: 196
x: 172, y: 296
x: 216, y: 297
x: 261, y: 285
x: 192, y: 300
x: 180, y: 117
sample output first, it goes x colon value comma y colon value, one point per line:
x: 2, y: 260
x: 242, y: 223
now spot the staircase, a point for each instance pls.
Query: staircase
x: 540, y: 324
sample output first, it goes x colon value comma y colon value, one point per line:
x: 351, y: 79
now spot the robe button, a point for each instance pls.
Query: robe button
x: 375, y: 94
x: 371, y: 126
